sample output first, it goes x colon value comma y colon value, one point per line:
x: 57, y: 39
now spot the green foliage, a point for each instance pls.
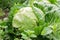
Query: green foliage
x: 1, y: 12
x: 9, y: 3
x: 30, y: 20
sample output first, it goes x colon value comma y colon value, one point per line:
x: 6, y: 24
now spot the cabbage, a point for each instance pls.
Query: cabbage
x: 24, y: 19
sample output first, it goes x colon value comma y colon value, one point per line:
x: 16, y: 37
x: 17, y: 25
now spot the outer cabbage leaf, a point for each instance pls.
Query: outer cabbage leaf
x: 46, y: 31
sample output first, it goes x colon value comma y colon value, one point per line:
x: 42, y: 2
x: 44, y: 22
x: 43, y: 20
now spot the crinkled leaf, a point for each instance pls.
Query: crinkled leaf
x: 46, y: 31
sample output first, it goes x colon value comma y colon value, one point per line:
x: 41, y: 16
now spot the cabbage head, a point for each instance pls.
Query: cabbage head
x: 25, y: 19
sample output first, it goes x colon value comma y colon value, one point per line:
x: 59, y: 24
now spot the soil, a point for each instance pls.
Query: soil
x: 6, y: 11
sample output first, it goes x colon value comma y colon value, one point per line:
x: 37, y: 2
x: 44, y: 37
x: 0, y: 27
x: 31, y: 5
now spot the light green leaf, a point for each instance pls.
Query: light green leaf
x: 46, y: 31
